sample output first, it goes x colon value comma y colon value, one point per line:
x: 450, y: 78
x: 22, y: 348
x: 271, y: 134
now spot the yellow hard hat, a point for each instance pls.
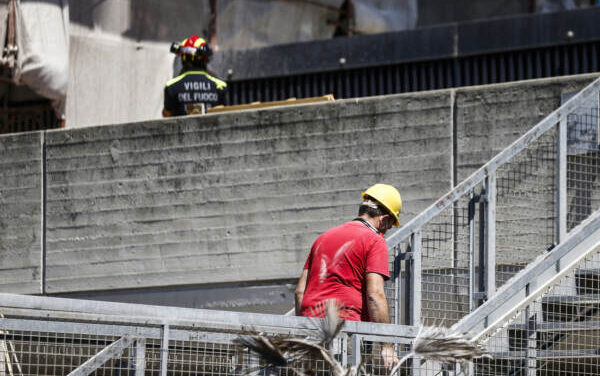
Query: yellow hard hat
x: 387, y: 196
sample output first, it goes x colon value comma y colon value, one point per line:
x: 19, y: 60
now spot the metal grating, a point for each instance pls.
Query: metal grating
x: 557, y: 334
x: 518, y: 206
x: 406, y: 77
x: 28, y: 118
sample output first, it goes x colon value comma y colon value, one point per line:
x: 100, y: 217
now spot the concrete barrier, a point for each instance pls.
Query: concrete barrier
x: 235, y: 199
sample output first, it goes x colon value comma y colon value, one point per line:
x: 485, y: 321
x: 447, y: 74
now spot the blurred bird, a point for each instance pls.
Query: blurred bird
x: 443, y: 345
x: 434, y: 343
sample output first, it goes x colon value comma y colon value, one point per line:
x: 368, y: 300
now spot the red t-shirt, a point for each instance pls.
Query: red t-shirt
x: 338, y: 264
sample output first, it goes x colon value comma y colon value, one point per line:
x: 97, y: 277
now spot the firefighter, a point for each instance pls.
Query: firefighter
x: 194, y: 90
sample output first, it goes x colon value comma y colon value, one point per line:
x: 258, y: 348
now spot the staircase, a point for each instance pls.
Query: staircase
x: 512, y: 254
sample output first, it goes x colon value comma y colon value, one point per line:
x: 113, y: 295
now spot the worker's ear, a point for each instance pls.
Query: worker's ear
x: 389, y: 221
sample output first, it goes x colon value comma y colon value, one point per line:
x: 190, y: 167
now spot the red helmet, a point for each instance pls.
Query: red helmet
x: 193, y: 49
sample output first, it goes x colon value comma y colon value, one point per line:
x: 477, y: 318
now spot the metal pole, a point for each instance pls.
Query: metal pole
x: 415, y: 296
x: 480, y: 296
x: 415, y: 293
x: 531, y: 337
x: 164, y: 350
x: 140, y: 357
x: 561, y: 181
x: 356, y: 356
x: 490, y: 235
x: 3, y: 358
x: 471, y: 252
x: 397, y: 276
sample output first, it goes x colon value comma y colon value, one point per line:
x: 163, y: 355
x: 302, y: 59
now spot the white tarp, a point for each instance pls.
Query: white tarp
x: 120, y: 59
x: 41, y: 31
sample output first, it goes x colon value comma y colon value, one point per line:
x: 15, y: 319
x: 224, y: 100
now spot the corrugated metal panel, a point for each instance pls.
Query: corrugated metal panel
x: 481, y: 69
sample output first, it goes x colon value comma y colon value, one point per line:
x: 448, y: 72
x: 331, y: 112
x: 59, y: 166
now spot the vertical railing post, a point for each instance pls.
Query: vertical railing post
x: 140, y: 357
x: 561, y: 181
x: 344, y: 349
x: 164, y: 350
x: 397, y: 277
x: 490, y: 235
x: 415, y: 276
x: 471, y: 252
x: 531, y: 335
x: 356, y: 355
x: 415, y: 290
x: 3, y: 358
x: 339, y: 349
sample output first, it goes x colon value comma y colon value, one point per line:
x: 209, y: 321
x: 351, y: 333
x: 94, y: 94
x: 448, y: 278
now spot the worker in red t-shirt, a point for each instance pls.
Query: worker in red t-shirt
x: 349, y: 263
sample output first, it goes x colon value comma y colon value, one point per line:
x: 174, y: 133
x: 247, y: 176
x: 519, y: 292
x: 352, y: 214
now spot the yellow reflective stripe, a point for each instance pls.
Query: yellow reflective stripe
x: 176, y: 79
x: 220, y: 84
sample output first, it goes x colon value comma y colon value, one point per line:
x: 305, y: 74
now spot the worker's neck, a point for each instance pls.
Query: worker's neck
x: 372, y: 221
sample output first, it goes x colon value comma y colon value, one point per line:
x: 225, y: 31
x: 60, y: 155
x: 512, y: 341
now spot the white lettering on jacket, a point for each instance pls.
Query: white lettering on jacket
x: 194, y: 85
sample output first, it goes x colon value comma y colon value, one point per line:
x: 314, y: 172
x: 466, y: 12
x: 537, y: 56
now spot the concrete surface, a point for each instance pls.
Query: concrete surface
x: 21, y: 209
x: 232, y: 202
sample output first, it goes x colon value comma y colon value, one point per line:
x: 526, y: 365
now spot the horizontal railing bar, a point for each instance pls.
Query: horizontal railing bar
x: 477, y: 177
x: 94, y: 329
x: 111, y: 312
x: 402, y: 340
x: 560, y: 326
x: 110, y: 319
x: 546, y: 354
x: 67, y: 327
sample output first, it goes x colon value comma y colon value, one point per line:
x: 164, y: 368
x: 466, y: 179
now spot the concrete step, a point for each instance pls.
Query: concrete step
x: 580, y: 362
x: 556, y: 336
x: 571, y: 308
x: 587, y: 281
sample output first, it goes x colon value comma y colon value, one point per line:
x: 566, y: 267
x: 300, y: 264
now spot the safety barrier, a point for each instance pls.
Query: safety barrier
x: 454, y: 255
x: 55, y: 336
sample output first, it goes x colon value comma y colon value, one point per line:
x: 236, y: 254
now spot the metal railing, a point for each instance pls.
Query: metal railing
x: 453, y: 256
x: 546, y: 320
x: 56, y: 336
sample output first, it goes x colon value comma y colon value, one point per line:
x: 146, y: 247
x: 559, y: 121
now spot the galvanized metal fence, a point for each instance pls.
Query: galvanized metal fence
x: 545, y: 321
x: 452, y: 257
x: 54, y: 336
x: 556, y: 334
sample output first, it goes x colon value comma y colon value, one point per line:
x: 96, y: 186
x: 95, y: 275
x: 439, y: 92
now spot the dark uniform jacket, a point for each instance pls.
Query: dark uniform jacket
x: 192, y: 91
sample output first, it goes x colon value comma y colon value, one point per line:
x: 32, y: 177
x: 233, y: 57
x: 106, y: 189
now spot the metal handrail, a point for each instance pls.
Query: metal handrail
x: 515, y: 296
x: 150, y: 315
x: 504, y: 156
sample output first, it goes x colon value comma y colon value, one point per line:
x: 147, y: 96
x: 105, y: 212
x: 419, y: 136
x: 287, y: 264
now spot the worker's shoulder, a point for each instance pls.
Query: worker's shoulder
x: 194, y: 75
x: 220, y: 83
x: 352, y: 229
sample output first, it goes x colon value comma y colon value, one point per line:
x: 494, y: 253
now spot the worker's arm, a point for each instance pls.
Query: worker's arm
x: 376, y: 301
x: 378, y: 312
x: 166, y: 113
x: 300, y: 287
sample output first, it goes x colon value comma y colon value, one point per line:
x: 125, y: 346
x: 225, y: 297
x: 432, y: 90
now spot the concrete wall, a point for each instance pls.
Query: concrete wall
x: 489, y: 120
x: 206, y: 203
x: 230, y: 198
x: 21, y: 213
